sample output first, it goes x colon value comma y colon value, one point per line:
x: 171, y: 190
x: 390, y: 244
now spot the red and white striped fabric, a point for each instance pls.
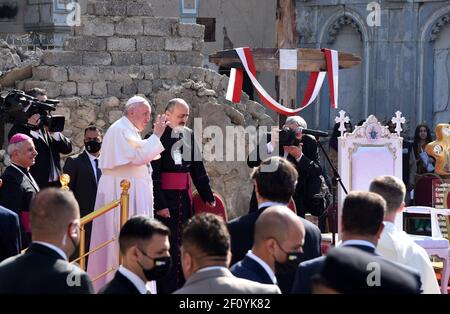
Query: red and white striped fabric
x: 315, y: 82
x: 332, y: 59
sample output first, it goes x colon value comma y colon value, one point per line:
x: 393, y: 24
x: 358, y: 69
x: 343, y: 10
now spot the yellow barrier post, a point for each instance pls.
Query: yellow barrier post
x: 124, y: 205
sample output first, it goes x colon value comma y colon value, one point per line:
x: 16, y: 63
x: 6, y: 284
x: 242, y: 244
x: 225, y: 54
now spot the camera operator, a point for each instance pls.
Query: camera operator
x: 311, y: 193
x: 49, y: 145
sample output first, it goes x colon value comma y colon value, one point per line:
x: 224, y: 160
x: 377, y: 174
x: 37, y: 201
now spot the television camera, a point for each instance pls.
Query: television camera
x: 16, y: 107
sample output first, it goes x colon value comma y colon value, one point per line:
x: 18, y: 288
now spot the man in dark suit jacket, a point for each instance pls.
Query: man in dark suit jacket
x: 144, y: 245
x: 47, y: 169
x: 279, y: 237
x: 19, y: 186
x: 304, y: 157
x: 205, y: 255
x: 84, y: 174
x: 311, y: 192
x: 362, y: 225
x: 347, y: 270
x: 43, y: 268
x: 275, y: 181
x: 10, y: 233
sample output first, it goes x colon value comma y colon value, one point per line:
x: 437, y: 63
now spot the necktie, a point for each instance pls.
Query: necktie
x: 98, y: 172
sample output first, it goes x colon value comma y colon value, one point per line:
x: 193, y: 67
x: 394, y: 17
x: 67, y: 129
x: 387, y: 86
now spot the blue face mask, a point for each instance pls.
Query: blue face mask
x: 160, y: 269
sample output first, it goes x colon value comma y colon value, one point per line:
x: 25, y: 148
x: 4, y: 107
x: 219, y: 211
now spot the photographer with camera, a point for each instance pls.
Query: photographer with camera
x: 46, y: 131
x: 311, y: 194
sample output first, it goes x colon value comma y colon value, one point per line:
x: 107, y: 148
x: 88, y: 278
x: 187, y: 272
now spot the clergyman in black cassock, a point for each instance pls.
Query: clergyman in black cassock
x: 172, y: 175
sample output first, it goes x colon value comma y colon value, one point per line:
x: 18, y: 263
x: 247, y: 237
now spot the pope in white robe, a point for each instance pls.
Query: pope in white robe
x: 125, y: 155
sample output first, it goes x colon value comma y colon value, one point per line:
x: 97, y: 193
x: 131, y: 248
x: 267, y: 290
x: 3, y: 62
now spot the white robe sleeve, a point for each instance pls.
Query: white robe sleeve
x: 140, y: 152
x: 123, y: 145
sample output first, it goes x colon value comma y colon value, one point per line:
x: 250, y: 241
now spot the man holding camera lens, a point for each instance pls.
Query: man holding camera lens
x: 49, y: 145
x: 302, y: 151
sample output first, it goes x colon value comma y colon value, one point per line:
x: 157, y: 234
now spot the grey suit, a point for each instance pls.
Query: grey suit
x: 222, y: 281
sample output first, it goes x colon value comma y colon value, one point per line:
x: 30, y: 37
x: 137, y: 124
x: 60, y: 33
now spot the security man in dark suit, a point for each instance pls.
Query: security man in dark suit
x: 84, y: 174
x: 10, y: 235
x: 362, y: 225
x: 144, y: 245
x: 43, y: 268
x: 19, y: 186
x: 49, y: 145
x: 275, y: 180
x: 349, y: 270
x: 278, y: 246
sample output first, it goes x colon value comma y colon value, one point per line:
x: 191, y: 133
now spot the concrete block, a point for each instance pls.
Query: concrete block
x: 121, y: 44
x: 178, y: 44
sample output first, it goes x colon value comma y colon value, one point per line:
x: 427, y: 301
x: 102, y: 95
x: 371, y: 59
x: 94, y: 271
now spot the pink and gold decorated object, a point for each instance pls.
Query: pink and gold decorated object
x: 440, y: 149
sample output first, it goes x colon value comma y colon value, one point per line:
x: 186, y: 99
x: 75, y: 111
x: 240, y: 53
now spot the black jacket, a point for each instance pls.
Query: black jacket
x: 250, y: 269
x: 308, y: 168
x: 242, y: 231
x: 16, y: 194
x: 46, y: 150
x: 42, y: 270
x: 82, y: 181
x: 9, y: 233
x: 119, y: 285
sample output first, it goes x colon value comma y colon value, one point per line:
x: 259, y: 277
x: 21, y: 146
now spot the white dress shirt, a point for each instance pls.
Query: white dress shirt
x: 54, y: 248
x: 358, y: 242
x: 92, y: 159
x: 135, y: 280
x: 268, y: 204
x: 57, y: 137
x: 263, y: 265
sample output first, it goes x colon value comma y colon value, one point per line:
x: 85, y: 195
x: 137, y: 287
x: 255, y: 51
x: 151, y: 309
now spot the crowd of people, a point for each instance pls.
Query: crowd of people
x: 165, y: 248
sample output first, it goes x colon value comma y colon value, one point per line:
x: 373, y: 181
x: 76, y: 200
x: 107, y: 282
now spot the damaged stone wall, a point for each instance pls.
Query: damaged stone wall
x: 119, y: 50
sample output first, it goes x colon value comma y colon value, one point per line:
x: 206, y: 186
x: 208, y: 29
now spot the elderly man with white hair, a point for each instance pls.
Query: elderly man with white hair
x: 19, y: 186
x: 125, y: 155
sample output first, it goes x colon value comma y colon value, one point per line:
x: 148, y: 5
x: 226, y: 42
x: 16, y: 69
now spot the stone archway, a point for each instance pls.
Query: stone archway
x: 433, y: 88
x: 440, y: 34
x: 345, y: 32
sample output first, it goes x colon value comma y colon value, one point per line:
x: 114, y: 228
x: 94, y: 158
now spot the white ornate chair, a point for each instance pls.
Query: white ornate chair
x: 369, y: 151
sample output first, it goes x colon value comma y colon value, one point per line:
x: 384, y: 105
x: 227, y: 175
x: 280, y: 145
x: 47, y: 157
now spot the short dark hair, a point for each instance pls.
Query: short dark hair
x: 363, y: 212
x: 208, y: 233
x: 92, y: 127
x: 278, y: 185
x: 139, y: 229
x: 52, y: 209
x: 34, y: 92
x: 392, y: 189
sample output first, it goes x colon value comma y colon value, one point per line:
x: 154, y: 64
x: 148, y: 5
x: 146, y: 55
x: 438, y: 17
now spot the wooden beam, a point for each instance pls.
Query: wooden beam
x: 286, y: 39
x: 267, y: 59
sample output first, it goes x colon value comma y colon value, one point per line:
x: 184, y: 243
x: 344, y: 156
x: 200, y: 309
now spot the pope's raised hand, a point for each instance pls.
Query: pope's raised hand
x: 160, y: 125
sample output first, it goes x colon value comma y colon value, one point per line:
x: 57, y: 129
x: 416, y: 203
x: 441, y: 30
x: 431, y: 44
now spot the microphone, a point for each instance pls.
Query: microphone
x: 313, y: 132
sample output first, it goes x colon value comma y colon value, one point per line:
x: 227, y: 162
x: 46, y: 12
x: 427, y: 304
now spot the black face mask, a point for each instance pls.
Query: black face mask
x: 291, y: 264
x: 160, y: 269
x: 93, y: 146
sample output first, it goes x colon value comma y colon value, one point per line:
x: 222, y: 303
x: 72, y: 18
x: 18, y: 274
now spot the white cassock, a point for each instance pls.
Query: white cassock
x: 125, y: 155
x: 398, y: 246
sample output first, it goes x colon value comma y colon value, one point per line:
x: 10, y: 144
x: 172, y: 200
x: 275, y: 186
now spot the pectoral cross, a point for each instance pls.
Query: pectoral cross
x: 267, y: 59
